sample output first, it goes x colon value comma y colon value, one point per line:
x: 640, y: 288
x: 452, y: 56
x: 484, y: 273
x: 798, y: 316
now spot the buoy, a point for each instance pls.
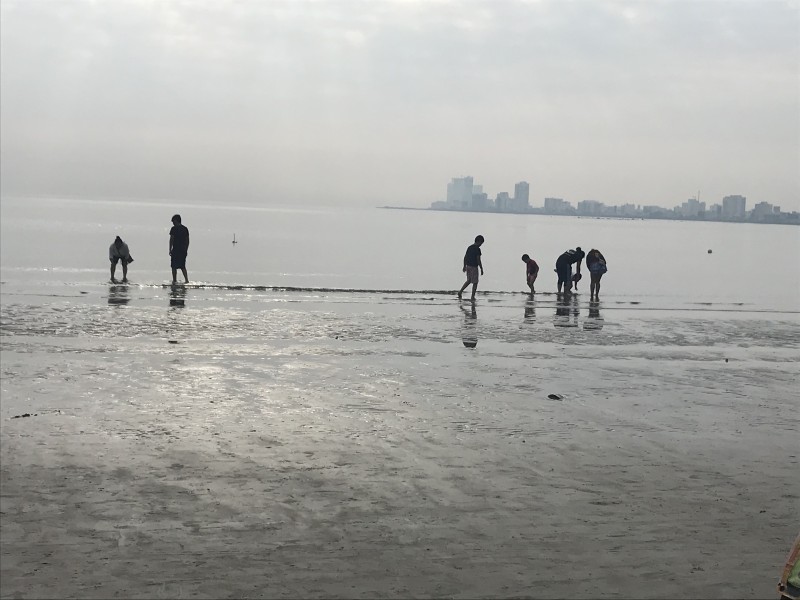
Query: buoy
x: 709, y: 250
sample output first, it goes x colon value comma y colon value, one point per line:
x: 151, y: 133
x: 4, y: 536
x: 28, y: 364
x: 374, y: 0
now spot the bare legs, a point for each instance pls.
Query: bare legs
x: 594, y: 287
x: 175, y: 275
x: 463, y: 287
x: 124, y: 272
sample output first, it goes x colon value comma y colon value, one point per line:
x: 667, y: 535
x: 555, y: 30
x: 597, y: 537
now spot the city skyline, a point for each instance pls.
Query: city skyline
x: 463, y: 194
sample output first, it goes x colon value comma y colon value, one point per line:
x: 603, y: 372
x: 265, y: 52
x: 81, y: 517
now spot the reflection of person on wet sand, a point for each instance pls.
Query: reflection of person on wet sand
x: 118, y: 294
x: 530, y: 311
x: 469, y: 332
x: 595, y: 321
x: 472, y: 262
x: 564, y: 306
x: 177, y: 296
x: 531, y: 271
x: 118, y: 252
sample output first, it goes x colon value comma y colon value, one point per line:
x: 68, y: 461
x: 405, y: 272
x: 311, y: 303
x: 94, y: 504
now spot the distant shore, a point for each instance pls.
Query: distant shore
x: 541, y: 212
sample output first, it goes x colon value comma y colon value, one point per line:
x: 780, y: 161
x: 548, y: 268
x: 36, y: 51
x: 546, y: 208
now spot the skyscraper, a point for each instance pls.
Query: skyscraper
x: 521, y: 191
x: 733, y: 207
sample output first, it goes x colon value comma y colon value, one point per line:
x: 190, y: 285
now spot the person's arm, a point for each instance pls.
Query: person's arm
x: 187, y: 240
x: 464, y: 266
x: 111, y: 253
x: 170, y: 243
x: 480, y: 264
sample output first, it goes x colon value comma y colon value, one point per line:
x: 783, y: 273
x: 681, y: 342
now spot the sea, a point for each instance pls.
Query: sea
x: 55, y: 245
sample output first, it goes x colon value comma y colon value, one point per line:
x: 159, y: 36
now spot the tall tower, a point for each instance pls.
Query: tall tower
x: 521, y: 191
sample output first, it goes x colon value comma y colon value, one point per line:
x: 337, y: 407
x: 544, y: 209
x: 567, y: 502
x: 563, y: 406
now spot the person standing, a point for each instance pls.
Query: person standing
x: 472, y: 262
x: 531, y: 271
x: 596, y: 263
x: 178, y: 248
x: 564, y: 267
x: 118, y: 252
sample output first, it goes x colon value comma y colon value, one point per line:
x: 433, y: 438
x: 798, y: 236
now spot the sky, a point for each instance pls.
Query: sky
x: 382, y: 102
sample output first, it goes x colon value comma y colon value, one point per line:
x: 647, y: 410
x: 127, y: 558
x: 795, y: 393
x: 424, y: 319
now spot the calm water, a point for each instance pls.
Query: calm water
x: 660, y: 264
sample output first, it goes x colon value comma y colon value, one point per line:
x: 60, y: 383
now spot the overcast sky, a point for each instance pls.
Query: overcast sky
x: 383, y: 102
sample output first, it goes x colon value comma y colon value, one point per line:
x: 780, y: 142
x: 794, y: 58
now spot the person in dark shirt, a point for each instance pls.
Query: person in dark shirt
x: 531, y: 271
x: 596, y: 263
x: 472, y: 262
x: 564, y: 267
x: 178, y: 248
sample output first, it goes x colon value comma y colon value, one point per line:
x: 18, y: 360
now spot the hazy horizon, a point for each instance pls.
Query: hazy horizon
x: 373, y: 103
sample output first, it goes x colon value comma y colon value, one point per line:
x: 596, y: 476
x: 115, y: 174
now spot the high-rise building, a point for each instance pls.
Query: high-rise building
x: 733, y: 207
x: 459, y: 193
x: 557, y: 206
x: 521, y: 201
x: 503, y: 202
x: 590, y: 207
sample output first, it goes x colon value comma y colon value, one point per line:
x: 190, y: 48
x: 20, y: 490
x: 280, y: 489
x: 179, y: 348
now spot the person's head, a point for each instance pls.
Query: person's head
x: 176, y: 219
x: 525, y: 258
x: 580, y: 252
x: 118, y: 241
x: 479, y: 240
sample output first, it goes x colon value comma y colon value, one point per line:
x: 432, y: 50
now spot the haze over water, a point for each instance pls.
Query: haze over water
x: 658, y: 263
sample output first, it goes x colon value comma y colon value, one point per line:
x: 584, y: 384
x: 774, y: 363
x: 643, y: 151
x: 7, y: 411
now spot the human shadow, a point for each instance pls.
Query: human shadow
x: 118, y: 295
x: 595, y: 320
x: 177, y: 296
x: 530, y: 311
x: 469, y: 329
x: 566, y: 311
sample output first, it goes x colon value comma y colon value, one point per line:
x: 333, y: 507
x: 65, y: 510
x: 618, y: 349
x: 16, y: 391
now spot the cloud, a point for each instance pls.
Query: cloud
x: 329, y: 100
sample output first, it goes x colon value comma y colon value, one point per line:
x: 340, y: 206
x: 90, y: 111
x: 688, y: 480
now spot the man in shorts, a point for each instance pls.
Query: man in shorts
x: 178, y: 248
x: 472, y: 262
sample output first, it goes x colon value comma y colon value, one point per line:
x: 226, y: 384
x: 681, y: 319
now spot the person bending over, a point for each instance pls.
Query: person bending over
x: 118, y: 252
x: 531, y: 271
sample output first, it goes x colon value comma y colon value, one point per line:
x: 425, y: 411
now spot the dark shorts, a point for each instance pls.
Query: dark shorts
x: 178, y: 261
x: 564, y: 270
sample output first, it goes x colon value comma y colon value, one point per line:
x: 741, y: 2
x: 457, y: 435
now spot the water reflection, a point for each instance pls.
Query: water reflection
x: 566, y: 311
x: 118, y: 294
x: 177, y: 296
x: 530, y: 311
x: 469, y: 330
x: 595, y: 320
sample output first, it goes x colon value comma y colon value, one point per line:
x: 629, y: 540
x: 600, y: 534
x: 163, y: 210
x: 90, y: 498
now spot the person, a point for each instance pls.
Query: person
x: 564, y: 267
x: 118, y: 252
x: 596, y: 263
x: 531, y: 271
x: 178, y: 248
x: 472, y: 262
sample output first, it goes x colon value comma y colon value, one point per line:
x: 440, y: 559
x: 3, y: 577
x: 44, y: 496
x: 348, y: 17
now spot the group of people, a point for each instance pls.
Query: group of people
x: 595, y: 263
x: 119, y: 252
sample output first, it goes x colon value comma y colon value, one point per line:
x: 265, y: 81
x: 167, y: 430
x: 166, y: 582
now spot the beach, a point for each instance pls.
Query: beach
x: 221, y: 442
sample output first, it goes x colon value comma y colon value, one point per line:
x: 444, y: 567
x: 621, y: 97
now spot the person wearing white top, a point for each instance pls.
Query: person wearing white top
x: 118, y: 251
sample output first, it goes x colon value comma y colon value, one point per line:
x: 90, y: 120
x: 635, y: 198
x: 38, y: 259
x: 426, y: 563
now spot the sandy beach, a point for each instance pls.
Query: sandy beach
x: 201, y: 444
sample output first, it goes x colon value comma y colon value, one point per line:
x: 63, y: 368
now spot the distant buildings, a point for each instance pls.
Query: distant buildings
x: 464, y: 195
x: 733, y: 207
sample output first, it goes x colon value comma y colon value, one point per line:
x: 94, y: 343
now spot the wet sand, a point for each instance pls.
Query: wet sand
x: 226, y: 443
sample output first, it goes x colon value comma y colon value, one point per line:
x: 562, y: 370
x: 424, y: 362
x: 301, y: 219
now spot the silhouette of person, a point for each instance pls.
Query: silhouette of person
x: 178, y: 248
x: 472, y: 262
x: 564, y: 267
x: 118, y: 252
x: 596, y: 263
x: 469, y: 331
x: 531, y: 271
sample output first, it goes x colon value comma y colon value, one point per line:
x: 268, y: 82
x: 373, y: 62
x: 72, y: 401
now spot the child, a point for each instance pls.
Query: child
x: 531, y: 271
